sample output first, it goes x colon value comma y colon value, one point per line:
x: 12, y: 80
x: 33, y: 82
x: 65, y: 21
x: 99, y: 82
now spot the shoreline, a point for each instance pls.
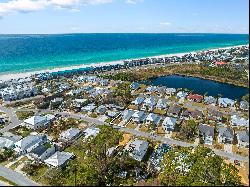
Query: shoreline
x: 6, y: 77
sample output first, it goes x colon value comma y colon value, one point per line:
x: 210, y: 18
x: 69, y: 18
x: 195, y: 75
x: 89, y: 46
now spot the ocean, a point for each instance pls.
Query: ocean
x: 25, y: 53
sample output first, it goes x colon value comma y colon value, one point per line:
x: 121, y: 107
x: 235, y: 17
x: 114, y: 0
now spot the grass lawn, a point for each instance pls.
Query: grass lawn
x: 38, y: 177
x: 160, y: 131
x: 144, y: 128
x: 7, y: 181
x: 218, y: 146
x: 126, y: 138
x: 131, y: 125
x: 108, y: 120
x: 24, y: 114
x: 21, y: 131
x: 93, y: 115
x: 133, y: 107
x: 76, y: 151
x: 117, y: 121
x: 16, y: 164
x: 241, y: 151
x: 159, y: 111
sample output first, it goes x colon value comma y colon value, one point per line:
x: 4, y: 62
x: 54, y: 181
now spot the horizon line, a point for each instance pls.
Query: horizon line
x: 117, y: 33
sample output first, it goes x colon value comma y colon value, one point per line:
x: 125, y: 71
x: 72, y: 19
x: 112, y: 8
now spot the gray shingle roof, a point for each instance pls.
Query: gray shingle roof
x: 226, y: 132
x: 206, y: 130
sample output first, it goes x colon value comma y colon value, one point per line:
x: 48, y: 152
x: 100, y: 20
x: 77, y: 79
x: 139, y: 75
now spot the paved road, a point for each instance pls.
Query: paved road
x: 14, y: 121
x: 142, y: 134
x: 154, y: 137
x: 15, y: 177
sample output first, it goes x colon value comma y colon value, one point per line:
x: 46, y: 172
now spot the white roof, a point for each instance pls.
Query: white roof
x: 6, y: 142
x: 91, y: 131
x: 36, y: 120
x: 58, y: 158
x: 169, y: 121
x: 137, y: 148
x: 70, y: 133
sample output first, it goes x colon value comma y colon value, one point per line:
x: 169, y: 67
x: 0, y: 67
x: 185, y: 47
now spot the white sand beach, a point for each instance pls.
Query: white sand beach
x: 6, y: 77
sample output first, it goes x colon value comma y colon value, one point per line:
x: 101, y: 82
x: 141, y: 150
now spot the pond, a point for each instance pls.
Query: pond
x: 200, y: 86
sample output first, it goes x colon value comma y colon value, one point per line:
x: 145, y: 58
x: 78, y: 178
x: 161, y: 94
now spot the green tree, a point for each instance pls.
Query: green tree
x: 188, y: 131
x: 246, y: 98
x: 185, y: 167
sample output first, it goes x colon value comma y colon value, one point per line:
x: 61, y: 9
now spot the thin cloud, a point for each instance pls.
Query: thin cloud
x: 24, y: 6
x: 134, y: 2
x: 165, y: 23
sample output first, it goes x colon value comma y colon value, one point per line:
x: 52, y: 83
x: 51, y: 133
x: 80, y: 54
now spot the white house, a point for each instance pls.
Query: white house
x: 91, y: 132
x: 181, y: 95
x: 19, y: 91
x: 149, y: 103
x: 8, y: 141
x: 58, y: 159
x: 161, y: 104
x: 153, y: 118
x: 70, y: 134
x: 139, y: 116
x: 225, y: 135
x: 225, y: 102
x: 127, y: 115
x: 244, y: 105
x: 168, y: 124
x: 243, y: 138
x: 170, y: 91
x: 137, y: 149
x: 138, y: 101
x: 37, y: 122
x: 29, y: 143
x: 239, y: 122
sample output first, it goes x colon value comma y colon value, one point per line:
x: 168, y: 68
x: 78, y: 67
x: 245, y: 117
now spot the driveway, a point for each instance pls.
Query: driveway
x: 228, y: 148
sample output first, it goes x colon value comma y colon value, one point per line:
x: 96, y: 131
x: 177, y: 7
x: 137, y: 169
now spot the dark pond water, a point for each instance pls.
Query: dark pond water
x: 200, y: 86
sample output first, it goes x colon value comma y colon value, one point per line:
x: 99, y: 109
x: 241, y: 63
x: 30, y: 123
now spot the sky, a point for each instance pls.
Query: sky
x: 123, y: 16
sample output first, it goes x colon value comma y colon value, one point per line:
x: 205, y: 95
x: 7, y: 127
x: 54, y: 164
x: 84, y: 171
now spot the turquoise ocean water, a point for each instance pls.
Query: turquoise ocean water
x: 22, y: 53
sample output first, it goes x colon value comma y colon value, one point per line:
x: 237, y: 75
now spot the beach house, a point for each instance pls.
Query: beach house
x: 149, y: 103
x: 137, y: 149
x: 139, y: 116
x: 153, y: 119
x: 29, y: 143
x: 195, y: 98
x: 58, y: 159
x: 244, y: 105
x: 161, y: 104
x: 138, y: 101
x: 225, y: 135
x: 168, y: 124
x: 206, y: 132
x: 243, y: 138
x: 91, y: 132
x: 210, y: 100
x: 225, y: 102
x: 37, y: 122
x: 174, y: 111
x: 238, y: 121
x: 127, y: 115
x: 70, y: 134
x: 170, y: 91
